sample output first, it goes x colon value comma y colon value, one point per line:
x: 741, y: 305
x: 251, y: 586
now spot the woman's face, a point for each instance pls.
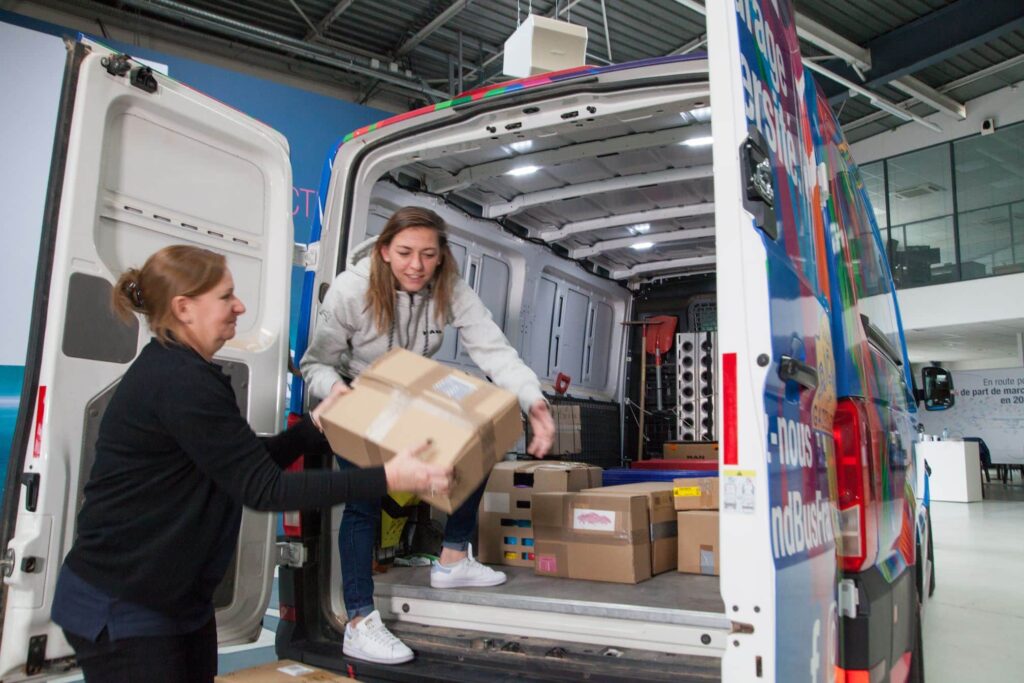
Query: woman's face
x: 414, y: 255
x: 209, y: 318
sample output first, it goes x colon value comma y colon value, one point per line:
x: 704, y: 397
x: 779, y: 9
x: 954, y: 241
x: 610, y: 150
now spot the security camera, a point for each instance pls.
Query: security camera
x: 988, y: 126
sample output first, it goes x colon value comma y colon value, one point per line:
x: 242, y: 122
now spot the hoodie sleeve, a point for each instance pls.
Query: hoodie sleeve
x: 489, y: 348
x: 331, y: 335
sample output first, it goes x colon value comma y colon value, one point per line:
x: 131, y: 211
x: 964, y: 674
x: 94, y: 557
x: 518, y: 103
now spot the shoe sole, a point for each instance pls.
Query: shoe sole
x: 461, y: 584
x: 376, y: 660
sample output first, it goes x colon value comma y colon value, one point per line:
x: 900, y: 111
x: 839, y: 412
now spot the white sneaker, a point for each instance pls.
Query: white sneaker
x: 464, y: 573
x: 370, y: 640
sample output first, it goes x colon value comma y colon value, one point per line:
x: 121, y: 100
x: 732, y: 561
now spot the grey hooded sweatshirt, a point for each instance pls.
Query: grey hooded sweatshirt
x: 346, y: 339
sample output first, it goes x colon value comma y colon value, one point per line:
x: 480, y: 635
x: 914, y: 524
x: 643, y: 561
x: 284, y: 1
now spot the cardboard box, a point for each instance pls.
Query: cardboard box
x: 695, y: 493
x: 662, y: 516
x: 284, y: 671
x: 593, y: 536
x: 506, y: 522
x: 403, y: 399
x: 690, y: 450
x: 567, y: 430
x: 698, y: 542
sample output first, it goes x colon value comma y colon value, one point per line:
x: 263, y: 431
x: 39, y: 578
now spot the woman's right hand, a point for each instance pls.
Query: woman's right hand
x: 407, y: 472
x: 337, y: 391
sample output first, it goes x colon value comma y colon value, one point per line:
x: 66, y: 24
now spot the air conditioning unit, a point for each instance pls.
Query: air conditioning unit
x: 916, y: 191
x: 540, y: 45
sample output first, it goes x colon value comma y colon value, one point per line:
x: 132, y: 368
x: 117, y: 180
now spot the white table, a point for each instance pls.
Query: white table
x: 956, y: 470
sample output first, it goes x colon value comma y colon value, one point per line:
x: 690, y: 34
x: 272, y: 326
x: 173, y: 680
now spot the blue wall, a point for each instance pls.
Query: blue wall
x: 311, y: 122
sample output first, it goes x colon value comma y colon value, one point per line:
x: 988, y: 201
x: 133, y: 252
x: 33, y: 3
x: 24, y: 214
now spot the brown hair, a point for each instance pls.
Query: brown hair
x: 380, y: 296
x: 178, y: 270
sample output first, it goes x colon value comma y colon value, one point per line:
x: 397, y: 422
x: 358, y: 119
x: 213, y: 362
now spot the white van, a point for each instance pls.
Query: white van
x: 549, y: 186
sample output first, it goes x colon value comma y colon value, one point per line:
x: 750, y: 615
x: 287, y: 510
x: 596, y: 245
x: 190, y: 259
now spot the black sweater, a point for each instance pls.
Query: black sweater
x: 175, y: 463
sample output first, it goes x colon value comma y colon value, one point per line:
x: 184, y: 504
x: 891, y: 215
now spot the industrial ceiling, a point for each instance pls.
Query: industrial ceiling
x: 882, y: 62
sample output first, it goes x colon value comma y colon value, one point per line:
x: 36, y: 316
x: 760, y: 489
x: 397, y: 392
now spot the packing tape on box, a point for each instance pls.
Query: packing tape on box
x: 417, y: 395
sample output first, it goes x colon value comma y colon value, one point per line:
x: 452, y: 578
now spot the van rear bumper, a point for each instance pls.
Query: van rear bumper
x: 876, y: 640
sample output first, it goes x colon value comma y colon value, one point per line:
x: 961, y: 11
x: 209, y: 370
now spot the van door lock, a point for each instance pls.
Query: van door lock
x: 291, y: 554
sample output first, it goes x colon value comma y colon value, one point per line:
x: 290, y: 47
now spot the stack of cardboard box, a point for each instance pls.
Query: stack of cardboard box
x: 696, y: 503
x: 506, y: 519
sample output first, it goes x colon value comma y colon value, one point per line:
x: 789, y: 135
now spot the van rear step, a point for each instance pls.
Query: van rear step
x: 459, y: 655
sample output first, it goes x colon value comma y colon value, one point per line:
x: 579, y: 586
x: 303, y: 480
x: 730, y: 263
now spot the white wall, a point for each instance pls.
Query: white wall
x: 981, y: 301
x: 1006, y: 106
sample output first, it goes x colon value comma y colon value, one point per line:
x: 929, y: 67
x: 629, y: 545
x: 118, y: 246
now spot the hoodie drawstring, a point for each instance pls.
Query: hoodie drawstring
x: 422, y: 315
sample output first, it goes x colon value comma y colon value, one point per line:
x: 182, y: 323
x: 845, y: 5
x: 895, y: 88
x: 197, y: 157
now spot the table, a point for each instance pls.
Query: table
x: 956, y: 470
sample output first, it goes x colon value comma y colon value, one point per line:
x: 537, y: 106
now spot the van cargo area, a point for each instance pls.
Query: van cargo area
x: 565, y: 189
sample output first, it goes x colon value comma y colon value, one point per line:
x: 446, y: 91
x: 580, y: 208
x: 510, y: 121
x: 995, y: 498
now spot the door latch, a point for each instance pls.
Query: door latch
x: 7, y: 562
x: 291, y: 554
x: 759, y: 195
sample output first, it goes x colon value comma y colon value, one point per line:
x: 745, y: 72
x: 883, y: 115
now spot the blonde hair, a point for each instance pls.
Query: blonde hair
x: 380, y: 296
x: 177, y: 270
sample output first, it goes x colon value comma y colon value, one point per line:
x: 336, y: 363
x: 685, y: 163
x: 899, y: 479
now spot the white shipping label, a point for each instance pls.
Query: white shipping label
x: 593, y: 520
x: 296, y: 670
x: 495, y: 501
x: 454, y: 388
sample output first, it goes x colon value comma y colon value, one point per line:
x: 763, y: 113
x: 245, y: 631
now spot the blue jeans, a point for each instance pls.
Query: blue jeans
x: 358, y: 534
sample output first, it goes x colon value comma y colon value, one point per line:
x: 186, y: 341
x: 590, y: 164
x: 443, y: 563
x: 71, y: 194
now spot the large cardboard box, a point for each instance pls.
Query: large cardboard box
x: 506, y: 522
x: 568, y: 439
x: 662, y: 515
x: 698, y: 542
x: 284, y: 671
x: 403, y: 399
x: 690, y: 450
x: 695, y: 493
x: 594, y: 536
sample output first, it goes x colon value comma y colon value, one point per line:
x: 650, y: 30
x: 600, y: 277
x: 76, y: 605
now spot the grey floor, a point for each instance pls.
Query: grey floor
x: 974, y: 624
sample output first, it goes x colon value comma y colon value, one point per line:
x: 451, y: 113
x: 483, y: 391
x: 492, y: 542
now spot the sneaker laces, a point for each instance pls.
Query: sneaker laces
x: 376, y: 631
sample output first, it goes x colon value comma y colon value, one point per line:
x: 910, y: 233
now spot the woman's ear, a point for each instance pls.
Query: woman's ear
x: 181, y: 309
x: 385, y: 253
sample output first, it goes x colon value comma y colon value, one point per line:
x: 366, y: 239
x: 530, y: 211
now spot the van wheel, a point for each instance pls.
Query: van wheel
x: 916, y: 674
x: 931, y: 558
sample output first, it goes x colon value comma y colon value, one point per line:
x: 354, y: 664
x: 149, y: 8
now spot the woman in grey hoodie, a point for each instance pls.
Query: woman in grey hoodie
x: 401, y: 289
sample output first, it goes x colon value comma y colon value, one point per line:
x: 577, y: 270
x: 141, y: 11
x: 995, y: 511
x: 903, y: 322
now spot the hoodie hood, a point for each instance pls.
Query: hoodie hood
x: 359, y: 259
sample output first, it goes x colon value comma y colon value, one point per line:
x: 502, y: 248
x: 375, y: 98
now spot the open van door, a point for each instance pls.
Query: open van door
x: 778, y: 375
x: 140, y: 162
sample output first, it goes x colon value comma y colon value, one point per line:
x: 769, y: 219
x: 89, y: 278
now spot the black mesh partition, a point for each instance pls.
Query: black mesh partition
x: 599, y: 430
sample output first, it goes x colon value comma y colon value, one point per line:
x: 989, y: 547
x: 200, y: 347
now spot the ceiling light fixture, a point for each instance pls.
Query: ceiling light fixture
x: 698, y: 142
x: 641, y: 246
x: 522, y: 145
x: 523, y: 170
x: 641, y: 228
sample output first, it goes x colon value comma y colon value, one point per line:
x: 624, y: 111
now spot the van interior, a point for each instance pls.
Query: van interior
x: 571, y: 212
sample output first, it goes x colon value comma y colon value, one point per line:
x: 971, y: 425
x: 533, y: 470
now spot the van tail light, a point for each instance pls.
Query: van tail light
x: 292, y: 521
x: 857, y: 521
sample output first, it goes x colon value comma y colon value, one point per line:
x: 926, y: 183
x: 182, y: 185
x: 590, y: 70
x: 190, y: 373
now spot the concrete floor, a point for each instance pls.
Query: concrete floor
x: 974, y: 626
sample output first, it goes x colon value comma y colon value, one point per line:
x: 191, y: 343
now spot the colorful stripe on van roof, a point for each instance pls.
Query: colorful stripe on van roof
x: 489, y: 91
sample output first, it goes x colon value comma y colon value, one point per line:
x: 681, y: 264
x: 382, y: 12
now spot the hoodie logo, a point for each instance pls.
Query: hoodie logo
x: 429, y: 332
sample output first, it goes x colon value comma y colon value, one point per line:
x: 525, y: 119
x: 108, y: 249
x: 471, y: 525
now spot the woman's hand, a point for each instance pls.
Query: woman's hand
x: 543, y: 429
x: 337, y: 391
x: 407, y: 472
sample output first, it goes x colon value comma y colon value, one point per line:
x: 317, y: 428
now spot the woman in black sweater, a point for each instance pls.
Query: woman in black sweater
x: 175, y: 463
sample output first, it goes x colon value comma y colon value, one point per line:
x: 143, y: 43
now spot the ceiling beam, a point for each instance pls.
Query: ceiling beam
x: 662, y: 266
x: 573, y: 191
x: 328, y: 19
x: 686, y: 235
x: 939, y: 35
x: 833, y: 43
x: 278, y: 42
x: 437, y: 22
x: 439, y: 184
x: 626, y: 219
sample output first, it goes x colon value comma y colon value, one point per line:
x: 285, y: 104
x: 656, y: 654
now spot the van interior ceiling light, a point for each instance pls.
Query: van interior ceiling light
x: 641, y: 246
x: 523, y: 170
x: 522, y: 146
x: 702, y: 141
x: 641, y: 228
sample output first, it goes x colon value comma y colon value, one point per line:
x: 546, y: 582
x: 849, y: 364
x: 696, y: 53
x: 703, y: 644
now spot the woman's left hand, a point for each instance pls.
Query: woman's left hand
x: 543, y: 429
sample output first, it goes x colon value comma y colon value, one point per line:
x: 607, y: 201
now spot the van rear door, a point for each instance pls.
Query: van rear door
x: 778, y: 377
x: 140, y: 162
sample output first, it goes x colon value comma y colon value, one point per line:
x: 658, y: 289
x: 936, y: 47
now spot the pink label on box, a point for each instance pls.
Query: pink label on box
x: 547, y: 563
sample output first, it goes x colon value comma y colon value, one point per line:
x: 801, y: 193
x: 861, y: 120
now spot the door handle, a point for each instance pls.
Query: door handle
x: 793, y: 370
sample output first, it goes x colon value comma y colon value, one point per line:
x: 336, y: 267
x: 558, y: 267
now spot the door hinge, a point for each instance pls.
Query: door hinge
x: 291, y: 554
x: 7, y: 563
x: 36, y: 656
x: 306, y: 255
x: 848, y: 599
x: 117, y: 65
